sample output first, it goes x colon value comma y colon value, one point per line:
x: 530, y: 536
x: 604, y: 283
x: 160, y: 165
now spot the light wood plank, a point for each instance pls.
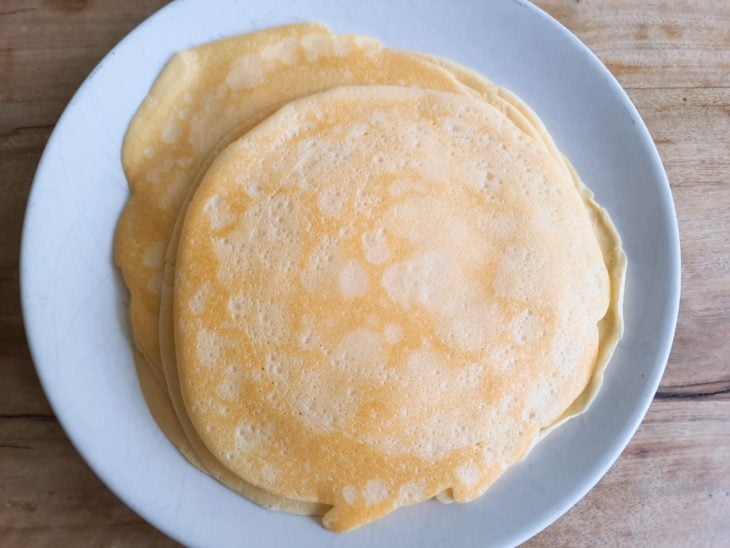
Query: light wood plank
x: 671, y: 487
x: 653, y: 43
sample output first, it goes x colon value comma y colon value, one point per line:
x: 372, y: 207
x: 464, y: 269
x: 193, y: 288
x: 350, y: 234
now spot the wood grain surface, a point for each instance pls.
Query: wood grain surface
x: 671, y: 487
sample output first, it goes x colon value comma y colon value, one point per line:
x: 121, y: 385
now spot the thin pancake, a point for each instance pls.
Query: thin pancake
x: 550, y: 287
x: 166, y: 327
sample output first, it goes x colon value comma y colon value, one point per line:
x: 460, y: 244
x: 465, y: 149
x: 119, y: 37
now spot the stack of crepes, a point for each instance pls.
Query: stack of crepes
x: 360, y: 278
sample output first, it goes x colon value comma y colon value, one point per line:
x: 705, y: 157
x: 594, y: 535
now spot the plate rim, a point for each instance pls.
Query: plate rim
x: 617, y: 446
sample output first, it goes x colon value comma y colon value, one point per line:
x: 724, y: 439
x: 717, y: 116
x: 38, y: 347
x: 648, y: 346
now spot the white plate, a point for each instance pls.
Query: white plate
x: 73, y: 298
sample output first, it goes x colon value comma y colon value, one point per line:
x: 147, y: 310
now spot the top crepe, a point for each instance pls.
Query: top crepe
x: 383, y: 293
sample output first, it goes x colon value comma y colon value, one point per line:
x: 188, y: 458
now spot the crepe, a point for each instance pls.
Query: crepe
x: 335, y: 345
x: 263, y: 71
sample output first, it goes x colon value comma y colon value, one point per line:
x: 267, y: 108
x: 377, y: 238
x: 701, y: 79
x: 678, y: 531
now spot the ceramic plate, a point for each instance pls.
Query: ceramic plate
x: 74, y: 301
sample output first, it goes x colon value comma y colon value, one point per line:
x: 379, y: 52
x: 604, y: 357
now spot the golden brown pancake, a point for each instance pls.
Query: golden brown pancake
x: 383, y: 293
x: 262, y: 72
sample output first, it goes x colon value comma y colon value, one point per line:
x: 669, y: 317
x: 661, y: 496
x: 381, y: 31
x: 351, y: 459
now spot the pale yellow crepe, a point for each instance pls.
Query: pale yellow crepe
x: 383, y: 293
x: 158, y: 187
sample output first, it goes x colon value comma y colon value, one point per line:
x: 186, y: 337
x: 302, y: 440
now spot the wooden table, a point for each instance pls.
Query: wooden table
x: 672, y: 484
